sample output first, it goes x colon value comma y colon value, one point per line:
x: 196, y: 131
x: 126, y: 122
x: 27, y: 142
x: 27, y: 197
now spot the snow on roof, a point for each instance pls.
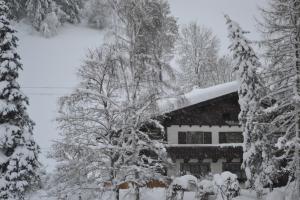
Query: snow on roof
x: 197, y: 95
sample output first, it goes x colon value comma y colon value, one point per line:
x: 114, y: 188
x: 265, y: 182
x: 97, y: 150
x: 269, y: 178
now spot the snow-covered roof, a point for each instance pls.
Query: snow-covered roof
x: 197, y: 95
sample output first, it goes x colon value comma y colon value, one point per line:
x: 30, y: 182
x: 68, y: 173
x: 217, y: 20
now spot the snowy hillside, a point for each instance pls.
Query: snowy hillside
x: 50, y: 66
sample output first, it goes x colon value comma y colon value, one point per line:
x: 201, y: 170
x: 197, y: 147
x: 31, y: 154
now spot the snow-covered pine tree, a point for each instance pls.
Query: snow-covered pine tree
x: 281, y: 27
x: 250, y: 92
x: 16, y: 9
x: 37, y: 10
x: 98, y: 13
x: 18, y: 150
x: 71, y: 10
x: 45, y: 16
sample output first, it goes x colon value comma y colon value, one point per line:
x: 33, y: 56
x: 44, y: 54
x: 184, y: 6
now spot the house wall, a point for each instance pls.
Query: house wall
x: 173, y: 130
x: 214, y: 115
x: 216, y: 167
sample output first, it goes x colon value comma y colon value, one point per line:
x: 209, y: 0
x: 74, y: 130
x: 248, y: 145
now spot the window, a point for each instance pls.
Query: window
x: 234, y: 167
x: 197, y: 169
x: 230, y: 137
x: 196, y: 137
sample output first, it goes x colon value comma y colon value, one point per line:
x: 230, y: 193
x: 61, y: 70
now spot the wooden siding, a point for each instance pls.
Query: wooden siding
x: 220, y: 111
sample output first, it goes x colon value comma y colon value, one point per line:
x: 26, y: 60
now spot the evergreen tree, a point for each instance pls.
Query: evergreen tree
x: 98, y: 13
x: 18, y: 150
x: 71, y: 10
x: 250, y: 93
x: 16, y: 9
x: 37, y: 10
x: 45, y: 16
x: 281, y: 27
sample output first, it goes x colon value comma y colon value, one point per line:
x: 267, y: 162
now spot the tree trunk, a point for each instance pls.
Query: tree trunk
x: 117, y: 193
x: 297, y: 151
x: 297, y: 66
x: 137, y: 192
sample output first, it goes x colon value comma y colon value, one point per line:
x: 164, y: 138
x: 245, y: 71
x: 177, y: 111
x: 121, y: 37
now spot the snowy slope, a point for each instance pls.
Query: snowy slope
x: 50, y: 66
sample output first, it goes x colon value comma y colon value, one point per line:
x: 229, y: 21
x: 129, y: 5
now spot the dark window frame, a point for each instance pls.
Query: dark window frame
x: 194, y: 137
x: 224, y: 137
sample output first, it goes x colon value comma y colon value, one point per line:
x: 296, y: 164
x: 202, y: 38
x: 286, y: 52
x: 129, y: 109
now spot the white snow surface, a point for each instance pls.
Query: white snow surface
x: 146, y: 194
x: 197, y: 95
x: 50, y: 66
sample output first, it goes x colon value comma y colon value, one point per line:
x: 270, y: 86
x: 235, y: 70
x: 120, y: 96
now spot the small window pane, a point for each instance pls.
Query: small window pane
x: 230, y: 137
x: 181, y: 137
x: 207, y: 138
x: 188, y: 137
x: 197, y: 138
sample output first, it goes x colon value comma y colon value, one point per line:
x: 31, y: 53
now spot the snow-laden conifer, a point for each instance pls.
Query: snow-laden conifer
x: 16, y: 9
x: 71, y: 10
x: 281, y: 27
x: 250, y: 92
x: 36, y: 11
x: 18, y: 150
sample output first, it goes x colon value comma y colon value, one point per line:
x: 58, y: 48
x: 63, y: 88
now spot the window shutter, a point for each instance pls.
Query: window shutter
x: 230, y: 137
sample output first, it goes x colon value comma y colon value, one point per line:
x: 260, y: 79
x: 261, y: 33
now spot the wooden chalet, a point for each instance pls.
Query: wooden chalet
x: 204, y: 135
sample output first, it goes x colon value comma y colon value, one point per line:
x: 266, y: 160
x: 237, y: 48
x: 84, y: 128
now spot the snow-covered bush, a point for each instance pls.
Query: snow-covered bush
x: 186, y: 182
x: 204, y: 188
x: 190, y: 183
x: 181, y: 184
x: 226, y: 185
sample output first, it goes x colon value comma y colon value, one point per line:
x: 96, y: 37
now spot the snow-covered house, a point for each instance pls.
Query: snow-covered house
x: 203, y: 132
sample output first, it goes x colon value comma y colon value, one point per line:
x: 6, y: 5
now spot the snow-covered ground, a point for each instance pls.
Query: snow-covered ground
x: 147, y: 194
x: 50, y: 66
